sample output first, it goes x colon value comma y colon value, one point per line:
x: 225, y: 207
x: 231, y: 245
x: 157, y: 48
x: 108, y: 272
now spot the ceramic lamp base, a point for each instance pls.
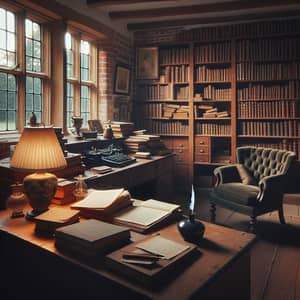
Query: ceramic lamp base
x: 40, y: 189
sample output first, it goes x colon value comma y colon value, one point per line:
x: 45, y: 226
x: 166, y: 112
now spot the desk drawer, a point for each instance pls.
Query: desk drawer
x: 202, y: 141
x: 180, y: 143
x: 202, y: 150
x: 202, y: 158
x: 182, y: 155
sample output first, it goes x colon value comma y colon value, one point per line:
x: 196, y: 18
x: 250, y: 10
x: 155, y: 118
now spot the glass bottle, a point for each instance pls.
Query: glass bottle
x: 81, y: 189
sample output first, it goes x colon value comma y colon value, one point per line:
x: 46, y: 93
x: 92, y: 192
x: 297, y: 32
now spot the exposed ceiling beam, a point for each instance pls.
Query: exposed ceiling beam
x: 212, y: 20
x: 198, y: 9
x: 99, y: 3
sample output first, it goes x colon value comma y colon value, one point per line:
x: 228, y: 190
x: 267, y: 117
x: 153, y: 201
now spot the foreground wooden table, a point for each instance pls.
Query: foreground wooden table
x: 32, y: 267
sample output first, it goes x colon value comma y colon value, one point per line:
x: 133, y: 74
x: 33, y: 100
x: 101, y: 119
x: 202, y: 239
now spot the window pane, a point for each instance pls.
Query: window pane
x: 28, y: 28
x: 3, y: 120
x: 11, y: 42
x: 36, y: 31
x: 11, y: 58
x: 33, y: 46
x: 11, y: 124
x: 68, y: 41
x: 11, y: 97
x: 2, y: 18
x: 29, y: 102
x: 29, y: 47
x: 3, y: 100
x: 37, y: 100
x: 37, y: 86
x: 70, y: 100
x: 29, y: 85
x: 37, y: 49
x: 2, y: 39
x: 10, y: 22
x: 12, y: 85
x: 3, y: 81
x: 8, y: 102
x: 3, y: 58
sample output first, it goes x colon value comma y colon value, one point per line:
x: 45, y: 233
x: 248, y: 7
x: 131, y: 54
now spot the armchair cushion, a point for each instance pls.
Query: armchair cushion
x: 238, y: 193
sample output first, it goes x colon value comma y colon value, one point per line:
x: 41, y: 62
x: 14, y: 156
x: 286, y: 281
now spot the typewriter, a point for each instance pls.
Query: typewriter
x: 118, y: 159
x: 112, y: 156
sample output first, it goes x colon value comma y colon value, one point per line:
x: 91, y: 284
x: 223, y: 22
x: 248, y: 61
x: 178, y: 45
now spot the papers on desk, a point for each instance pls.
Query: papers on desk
x: 163, y: 247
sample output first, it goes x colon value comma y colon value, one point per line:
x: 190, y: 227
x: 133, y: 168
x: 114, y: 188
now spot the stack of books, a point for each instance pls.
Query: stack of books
x: 91, y: 238
x: 146, y: 143
x: 208, y: 111
x: 49, y: 221
x: 64, y: 192
x: 175, y: 111
x: 102, y: 204
x: 122, y: 129
x: 74, y: 166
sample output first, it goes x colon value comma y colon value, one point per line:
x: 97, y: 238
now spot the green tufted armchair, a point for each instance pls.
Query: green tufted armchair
x: 253, y: 186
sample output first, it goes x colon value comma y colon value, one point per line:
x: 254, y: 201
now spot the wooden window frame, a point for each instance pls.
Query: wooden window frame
x: 77, y: 36
x: 20, y: 70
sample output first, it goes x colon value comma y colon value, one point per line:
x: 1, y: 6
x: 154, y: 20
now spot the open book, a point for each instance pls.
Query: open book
x: 146, y: 215
x: 100, y: 204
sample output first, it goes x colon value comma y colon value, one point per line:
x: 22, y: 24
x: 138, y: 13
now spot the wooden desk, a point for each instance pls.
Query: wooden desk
x: 34, y: 265
x: 156, y: 174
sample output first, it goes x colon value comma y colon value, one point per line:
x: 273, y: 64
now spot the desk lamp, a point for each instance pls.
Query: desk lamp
x: 38, y: 151
x: 191, y: 230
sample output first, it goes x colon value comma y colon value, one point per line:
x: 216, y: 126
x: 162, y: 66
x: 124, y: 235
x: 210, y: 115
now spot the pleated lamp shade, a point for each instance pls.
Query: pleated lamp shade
x: 38, y: 150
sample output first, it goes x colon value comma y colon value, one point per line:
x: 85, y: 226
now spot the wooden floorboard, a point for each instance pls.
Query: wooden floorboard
x: 275, y: 258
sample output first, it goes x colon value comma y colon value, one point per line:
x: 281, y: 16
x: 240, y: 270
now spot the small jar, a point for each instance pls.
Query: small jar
x: 16, y: 201
x: 81, y: 189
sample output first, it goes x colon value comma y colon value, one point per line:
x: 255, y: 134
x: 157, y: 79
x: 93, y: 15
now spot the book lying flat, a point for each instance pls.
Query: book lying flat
x: 54, y: 218
x: 147, y: 215
x: 91, y: 237
x: 172, y: 257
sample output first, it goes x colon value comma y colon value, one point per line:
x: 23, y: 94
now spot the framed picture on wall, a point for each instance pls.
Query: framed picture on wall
x: 147, y: 63
x: 122, y: 80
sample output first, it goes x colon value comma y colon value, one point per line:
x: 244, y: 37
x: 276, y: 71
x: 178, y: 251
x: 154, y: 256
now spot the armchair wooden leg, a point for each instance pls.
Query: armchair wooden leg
x: 252, y: 224
x: 281, y: 215
x: 212, y: 212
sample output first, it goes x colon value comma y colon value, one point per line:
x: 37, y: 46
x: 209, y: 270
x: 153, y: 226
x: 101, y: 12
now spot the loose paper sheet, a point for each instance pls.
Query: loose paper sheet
x: 162, y: 246
x: 152, y: 203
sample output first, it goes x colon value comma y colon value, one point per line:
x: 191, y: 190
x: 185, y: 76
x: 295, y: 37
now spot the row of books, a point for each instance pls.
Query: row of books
x: 266, y: 92
x: 216, y: 52
x: 166, y: 127
x: 268, y: 49
x: 155, y: 92
x: 269, y: 128
x: 215, y: 93
x: 267, y: 71
x: 214, y: 129
x: 181, y: 92
x: 177, y: 73
x: 153, y: 110
x: 174, y: 55
x: 207, y: 73
x: 268, y: 109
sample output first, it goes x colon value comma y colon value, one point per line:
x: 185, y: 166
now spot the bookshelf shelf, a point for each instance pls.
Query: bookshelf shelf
x: 249, y: 73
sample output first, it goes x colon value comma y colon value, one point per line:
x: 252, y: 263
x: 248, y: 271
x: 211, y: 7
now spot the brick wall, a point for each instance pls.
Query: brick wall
x: 117, y: 50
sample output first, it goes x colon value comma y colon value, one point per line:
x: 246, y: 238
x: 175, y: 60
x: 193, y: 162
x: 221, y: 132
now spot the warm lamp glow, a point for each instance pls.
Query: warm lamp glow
x: 38, y: 151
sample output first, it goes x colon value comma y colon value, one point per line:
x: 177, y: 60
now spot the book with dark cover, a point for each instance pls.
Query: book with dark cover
x: 91, y: 237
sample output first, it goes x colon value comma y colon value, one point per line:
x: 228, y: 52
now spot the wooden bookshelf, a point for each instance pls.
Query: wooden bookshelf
x: 241, y: 83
